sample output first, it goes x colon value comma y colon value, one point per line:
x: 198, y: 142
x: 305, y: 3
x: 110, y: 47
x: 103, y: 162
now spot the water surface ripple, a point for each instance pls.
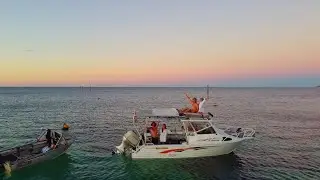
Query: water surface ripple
x: 287, y: 121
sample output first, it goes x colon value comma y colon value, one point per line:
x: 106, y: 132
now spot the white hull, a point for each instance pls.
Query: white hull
x: 197, y: 138
x: 183, y: 151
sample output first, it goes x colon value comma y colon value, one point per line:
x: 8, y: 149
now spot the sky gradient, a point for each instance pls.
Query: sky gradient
x: 221, y: 43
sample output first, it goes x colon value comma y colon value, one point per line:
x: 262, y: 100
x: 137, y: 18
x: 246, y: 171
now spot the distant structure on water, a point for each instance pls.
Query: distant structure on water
x: 82, y: 87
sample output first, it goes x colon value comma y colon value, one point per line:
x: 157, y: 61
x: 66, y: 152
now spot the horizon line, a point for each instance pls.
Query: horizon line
x: 137, y: 86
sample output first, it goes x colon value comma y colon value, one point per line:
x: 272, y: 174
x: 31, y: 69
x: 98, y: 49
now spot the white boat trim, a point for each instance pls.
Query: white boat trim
x: 199, y: 138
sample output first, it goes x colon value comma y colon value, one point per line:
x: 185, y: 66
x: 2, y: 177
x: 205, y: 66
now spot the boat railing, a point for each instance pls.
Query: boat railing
x: 248, y: 132
x: 59, y: 140
x: 240, y: 132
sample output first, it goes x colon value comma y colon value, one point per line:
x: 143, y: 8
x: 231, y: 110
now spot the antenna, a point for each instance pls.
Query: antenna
x: 208, y: 91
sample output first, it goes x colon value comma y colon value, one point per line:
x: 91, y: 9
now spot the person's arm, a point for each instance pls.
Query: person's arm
x: 188, y: 98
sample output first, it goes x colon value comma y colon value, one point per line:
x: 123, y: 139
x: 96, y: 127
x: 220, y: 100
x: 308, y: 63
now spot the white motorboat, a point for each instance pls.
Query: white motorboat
x: 189, y: 136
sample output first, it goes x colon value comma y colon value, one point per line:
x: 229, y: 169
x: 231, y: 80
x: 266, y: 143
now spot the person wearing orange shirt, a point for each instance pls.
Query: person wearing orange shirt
x: 194, y: 106
x: 154, y: 133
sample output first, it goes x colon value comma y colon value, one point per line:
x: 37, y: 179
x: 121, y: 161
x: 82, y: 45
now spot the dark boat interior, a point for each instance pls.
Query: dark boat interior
x: 25, y: 151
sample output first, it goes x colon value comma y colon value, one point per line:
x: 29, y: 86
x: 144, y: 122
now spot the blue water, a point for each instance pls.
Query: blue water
x: 287, y: 121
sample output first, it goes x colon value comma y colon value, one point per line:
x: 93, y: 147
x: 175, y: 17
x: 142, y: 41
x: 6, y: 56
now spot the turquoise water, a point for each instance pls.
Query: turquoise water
x: 287, y: 122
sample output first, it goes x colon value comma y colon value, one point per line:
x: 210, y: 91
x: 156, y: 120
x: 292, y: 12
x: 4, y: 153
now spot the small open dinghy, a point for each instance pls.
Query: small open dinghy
x: 35, y: 152
x: 190, y: 136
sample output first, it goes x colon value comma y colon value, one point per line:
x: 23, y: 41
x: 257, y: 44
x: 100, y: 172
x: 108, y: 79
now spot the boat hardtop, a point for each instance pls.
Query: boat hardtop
x: 173, y: 113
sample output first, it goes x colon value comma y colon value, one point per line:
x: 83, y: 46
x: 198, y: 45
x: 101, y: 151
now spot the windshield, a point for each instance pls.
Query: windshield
x: 199, y: 127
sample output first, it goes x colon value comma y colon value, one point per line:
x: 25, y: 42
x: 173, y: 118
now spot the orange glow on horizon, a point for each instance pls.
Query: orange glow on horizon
x: 201, y: 63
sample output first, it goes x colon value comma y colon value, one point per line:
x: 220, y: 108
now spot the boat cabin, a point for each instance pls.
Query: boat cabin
x: 166, y: 126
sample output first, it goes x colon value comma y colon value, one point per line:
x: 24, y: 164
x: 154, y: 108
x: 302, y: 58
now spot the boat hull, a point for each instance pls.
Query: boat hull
x: 183, y: 151
x: 41, y: 158
x: 33, y: 159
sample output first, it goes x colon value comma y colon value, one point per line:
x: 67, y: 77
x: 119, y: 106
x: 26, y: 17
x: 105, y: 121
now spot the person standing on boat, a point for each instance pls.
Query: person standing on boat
x: 163, y: 133
x: 49, y: 137
x: 194, y: 106
x: 154, y: 133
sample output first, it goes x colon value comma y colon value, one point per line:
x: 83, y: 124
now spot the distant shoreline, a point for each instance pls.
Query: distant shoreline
x: 88, y: 87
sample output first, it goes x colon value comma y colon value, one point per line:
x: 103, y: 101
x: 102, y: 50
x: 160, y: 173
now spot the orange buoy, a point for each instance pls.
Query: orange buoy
x: 65, y: 126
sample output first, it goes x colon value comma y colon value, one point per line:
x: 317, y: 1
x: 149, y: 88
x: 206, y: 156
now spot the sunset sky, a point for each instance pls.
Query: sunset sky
x: 185, y: 42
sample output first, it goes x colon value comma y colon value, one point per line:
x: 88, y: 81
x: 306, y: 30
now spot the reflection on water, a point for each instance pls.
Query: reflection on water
x: 56, y: 168
x: 221, y: 167
x: 286, y: 121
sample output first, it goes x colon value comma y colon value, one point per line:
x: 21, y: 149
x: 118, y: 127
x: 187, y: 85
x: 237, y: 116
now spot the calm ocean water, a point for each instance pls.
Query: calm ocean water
x: 287, y: 121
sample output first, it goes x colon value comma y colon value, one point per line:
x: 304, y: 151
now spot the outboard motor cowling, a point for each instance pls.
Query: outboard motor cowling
x: 129, y: 140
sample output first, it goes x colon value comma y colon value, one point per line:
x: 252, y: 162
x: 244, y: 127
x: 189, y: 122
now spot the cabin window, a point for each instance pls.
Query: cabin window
x: 199, y: 127
x: 208, y: 130
x: 188, y: 126
x: 203, y: 128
